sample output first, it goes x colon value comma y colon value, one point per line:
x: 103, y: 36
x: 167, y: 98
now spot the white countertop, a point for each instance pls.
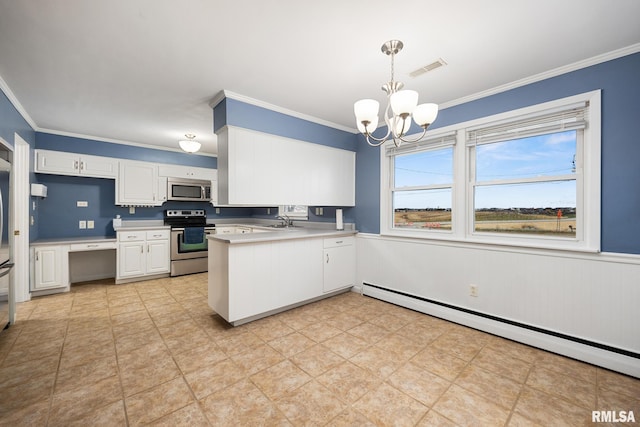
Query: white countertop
x: 72, y: 240
x: 280, y: 234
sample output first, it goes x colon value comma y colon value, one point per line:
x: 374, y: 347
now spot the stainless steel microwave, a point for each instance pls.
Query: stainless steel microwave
x: 188, y: 190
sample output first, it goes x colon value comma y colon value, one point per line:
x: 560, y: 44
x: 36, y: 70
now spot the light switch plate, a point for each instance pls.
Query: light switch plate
x: 82, y: 204
x: 90, y: 224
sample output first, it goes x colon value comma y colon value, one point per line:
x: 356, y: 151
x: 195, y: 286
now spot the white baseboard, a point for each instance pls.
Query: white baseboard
x: 586, y: 353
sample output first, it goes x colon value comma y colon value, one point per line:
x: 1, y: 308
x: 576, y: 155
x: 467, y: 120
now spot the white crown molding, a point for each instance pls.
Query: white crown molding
x: 619, y: 53
x: 248, y: 100
x: 119, y: 141
x: 16, y: 104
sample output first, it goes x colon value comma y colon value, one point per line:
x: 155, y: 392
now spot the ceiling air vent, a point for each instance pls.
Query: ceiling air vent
x: 430, y: 67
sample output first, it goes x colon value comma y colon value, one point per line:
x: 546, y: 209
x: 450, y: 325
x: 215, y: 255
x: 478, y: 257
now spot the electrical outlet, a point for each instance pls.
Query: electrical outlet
x: 90, y: 224
x: 82, y: 224
x: 473, y: 290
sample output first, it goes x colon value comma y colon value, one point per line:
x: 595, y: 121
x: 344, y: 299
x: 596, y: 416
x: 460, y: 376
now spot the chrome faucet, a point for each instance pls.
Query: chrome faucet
x: 286, y: 221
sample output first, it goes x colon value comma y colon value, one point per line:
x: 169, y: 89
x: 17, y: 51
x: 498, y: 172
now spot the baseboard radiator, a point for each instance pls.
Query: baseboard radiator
x: 616, y: 359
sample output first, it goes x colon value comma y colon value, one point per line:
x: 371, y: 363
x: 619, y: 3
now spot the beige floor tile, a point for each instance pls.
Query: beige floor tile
x: 609, y: 400
x: 109, y: 415
x: 418, y: 383
x: 377, y: 361
x: 26, y: 393
x: 387, y: 406
x: 499, y: 390
x: 349, y: 418
x: 573, y: 389
x: 213, y: 378
x: 369, y: 332
x: 310, y: 404
x: 157, y: 402
x: 459, y: 344
x: 439, y: 362
x: 316, y: 360
x: 198, y: 358
x: 345, y: 344
x: 189, y: 416
x: 348, y: 381
x: 502, y: 364
x: 567, y: 366
x: 280, y: 379
x: 256, y: 359
x: 433, y: 419
x: 291, y: 344
x: 242, y: 404
x: 466, y: 408
x: 77, y: 403
x: 34, y: 414
x: 399, y: 346
x: 21, y: 373
x: 270, y: 328
x: 78, y: 376
x: 545, y: 409
x: 239, y: 343
x: 70, y: 360
x: 320, y: 331
x: 622, y: 384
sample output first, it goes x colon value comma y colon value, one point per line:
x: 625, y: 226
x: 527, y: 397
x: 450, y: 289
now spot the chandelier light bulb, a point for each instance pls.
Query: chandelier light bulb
x: 425, y: 114
x: 404, y: 102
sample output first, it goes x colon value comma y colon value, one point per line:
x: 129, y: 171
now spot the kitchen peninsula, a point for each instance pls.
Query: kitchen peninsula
x: 254, y: 275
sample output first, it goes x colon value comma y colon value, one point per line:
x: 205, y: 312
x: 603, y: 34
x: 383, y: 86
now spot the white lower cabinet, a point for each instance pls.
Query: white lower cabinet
x: 142, y: 253
x: 249, y: 281
x: 339, y: 258
x: 49, y: 268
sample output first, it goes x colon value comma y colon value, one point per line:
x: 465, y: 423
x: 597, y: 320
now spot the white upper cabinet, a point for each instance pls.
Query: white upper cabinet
x: 256, y: 168
x: 137, y: 184
x: 62, y: 163
x: 189, y: 172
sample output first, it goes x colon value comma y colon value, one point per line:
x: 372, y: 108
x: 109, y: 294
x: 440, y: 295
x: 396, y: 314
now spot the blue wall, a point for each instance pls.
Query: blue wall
x: 49, y: 141
x: 236, y: 113
x: 620, y: 86
x: 58, y: 214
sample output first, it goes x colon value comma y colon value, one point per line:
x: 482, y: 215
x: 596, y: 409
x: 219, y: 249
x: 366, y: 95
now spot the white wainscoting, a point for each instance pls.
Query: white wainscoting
x: 592, y: 297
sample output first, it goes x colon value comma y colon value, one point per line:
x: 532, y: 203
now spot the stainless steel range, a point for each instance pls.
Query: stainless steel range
x: 189, y: 231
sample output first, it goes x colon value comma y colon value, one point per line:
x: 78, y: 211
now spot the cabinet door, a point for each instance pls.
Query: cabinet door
x: 48, y: 268
x: 98, y: 167
x: 137, y: 184
x: 158, y: 256
x: 131, y: 259
x: 57, y: 162
x: 339, y: 267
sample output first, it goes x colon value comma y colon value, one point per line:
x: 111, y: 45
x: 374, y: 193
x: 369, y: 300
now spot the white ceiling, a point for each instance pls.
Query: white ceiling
x: 145, y: 71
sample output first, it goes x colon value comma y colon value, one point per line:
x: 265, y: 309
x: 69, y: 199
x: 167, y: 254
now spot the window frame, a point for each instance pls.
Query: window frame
x: 588, y: 186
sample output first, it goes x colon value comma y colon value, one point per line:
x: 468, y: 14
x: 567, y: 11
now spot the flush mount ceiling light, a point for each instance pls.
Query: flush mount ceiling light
x: 189, y: 145
x: 401, y: 106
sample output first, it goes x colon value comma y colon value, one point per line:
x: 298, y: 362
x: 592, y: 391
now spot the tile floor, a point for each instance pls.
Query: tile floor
x: 154, y: 353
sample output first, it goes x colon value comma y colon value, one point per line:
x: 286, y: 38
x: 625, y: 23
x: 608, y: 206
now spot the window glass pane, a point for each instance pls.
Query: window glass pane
x: 430, y: 209
x: 424, y: 168
x: 543, y: 155
x: 545, y: 208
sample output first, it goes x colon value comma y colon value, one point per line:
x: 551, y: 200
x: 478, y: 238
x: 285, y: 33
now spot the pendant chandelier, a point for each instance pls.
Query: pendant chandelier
x: 402, y: 105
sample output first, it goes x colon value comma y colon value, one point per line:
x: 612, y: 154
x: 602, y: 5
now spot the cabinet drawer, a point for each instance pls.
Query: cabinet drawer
x: 82, y: 247
x: 131, y: 236
x: 158, y: 234
x: 338, y: 241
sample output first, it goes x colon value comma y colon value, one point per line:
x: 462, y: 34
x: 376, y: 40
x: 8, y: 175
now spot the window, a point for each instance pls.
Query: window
x: 299, y: 212
x: 529, y: 177
x: 422, y: 184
